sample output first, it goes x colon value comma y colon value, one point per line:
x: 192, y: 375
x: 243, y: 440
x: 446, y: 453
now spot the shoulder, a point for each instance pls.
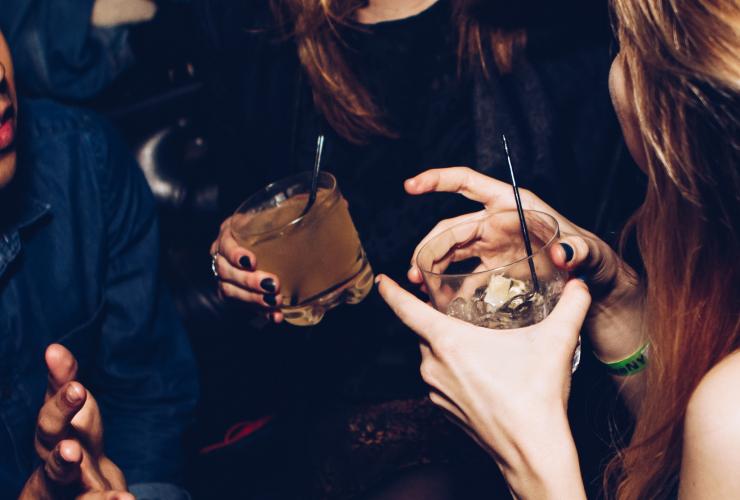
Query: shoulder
x: 711, y: 456
x: 716, y: 401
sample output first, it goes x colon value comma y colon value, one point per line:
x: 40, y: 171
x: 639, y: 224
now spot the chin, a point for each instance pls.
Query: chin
x: 7, y: 168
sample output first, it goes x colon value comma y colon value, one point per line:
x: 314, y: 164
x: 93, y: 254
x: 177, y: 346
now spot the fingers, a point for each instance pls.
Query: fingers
x: 463, y: 180
x: 237, y: 256
x: 238, y: 278
x: 253, y: 281
x: 275, y: 316
x: 63, y: 464
x: 590, y: 259
x: 62, y: 367
x: 106, y: 495
x: 266, y: 300
x: 414, y: 274
x: 570, y: 311
x: 56, y: 416
x: 420, y: 317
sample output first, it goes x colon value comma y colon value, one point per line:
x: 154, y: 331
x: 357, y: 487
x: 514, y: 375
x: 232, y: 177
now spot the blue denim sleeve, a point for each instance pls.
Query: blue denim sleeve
x: 145, y: 376
x: 57, y: 53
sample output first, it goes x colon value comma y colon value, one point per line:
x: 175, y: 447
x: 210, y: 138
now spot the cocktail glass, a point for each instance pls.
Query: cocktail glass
x: 317, y: 256
x: 478, y: 270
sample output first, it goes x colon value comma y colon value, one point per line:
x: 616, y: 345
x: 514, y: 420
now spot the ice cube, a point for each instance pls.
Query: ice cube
x: 498, y: 291
x: 461, y: 308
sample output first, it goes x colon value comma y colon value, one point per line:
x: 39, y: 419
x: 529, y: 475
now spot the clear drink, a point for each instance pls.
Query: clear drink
x: 478, y: 271
x: 318, y: 257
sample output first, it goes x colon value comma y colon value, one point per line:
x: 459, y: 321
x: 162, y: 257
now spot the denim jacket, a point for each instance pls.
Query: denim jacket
x: 79, y: 250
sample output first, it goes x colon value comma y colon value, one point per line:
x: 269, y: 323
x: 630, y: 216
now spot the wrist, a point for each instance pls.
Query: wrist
x: 544, y: 463
x: 615, y: 326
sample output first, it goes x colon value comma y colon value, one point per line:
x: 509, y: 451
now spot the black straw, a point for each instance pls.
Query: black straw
x: 315, y: 178
x: 522, y: 221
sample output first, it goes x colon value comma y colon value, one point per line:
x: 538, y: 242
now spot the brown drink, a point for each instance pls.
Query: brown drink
x: 318, y: 257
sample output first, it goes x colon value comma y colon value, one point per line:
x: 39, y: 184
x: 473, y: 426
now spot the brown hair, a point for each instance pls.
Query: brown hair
x: 347, y: 106
x: 683, y: 60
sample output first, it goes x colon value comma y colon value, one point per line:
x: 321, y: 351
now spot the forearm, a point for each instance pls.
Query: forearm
x: 544, y: 464
x: 616, y: 331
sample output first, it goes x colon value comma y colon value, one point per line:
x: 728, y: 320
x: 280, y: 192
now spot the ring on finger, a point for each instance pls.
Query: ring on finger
x: 213, y: 265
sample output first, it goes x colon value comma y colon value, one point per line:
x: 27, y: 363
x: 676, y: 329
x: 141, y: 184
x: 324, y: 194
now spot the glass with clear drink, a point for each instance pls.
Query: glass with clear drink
x: 318, y: 257
x: 478, y: 270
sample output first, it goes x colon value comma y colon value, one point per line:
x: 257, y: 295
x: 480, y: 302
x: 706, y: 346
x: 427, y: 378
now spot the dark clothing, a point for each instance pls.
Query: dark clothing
x: 58, y: 53
x: 79, y: 256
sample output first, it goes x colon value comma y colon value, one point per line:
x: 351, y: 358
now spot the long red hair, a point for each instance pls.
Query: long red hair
x: 683, y: 60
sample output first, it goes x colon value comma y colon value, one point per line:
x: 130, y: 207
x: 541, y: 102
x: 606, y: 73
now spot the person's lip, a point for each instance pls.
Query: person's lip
x: 7, y: 125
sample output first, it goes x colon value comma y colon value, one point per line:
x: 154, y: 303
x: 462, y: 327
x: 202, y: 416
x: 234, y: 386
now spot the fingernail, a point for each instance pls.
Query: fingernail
x: 246, y: 263
x: 582, y: 277
x: 377, y: 279
x: 270, y: 299
x: 73, y: 395
x: 568, y: 252
x: 268, y: 285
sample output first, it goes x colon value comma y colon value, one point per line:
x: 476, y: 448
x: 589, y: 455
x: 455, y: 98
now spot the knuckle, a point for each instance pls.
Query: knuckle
x: 226, y: 289
x: 435, y: 398
x: 426, y: 372
x: 44, y: 435
x: 445, y: 347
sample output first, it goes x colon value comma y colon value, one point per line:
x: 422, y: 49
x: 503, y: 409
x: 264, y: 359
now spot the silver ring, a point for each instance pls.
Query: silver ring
x: 213, y: 265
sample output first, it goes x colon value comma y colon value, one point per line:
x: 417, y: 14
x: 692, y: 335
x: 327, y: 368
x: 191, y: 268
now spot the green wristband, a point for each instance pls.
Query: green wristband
x: 630, y: 365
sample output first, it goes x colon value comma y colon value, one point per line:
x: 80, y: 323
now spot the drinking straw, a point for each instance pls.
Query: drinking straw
x: 315, y: 178
x: 522, y: 221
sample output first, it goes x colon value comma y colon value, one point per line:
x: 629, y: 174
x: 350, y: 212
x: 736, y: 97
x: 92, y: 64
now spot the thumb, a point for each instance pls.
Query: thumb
x: 570, y: 312
x: 420, y: 317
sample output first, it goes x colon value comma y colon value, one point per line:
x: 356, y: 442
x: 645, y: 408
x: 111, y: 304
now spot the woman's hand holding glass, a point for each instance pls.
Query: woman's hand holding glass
x: 508, y: 389
x: 239, y: 278
x: 615, y: 318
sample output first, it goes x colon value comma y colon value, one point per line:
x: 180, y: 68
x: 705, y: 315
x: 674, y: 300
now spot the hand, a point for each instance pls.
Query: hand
x: 69, y: 434
x: 508, y: 388
x: 239, y: 278
x: 107, y: 13
x: 613, y: 284
x: 60, y: 475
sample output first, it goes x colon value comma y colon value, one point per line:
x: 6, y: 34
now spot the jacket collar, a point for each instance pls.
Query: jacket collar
x: 18, y: 211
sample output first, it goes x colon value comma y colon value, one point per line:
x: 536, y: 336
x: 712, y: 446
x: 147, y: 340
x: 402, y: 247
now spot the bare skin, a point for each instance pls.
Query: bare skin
x: 378, y: 11
x: 69, y: 441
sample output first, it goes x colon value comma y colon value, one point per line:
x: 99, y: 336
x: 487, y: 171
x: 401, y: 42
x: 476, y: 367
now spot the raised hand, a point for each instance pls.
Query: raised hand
x: 239, y: 278
x: 69, y: 439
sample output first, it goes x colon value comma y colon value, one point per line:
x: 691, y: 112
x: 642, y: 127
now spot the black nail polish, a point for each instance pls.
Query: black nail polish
x: 245, y: 263
x: 270, y: 299
x: 568, y: 252
x: 268, y: 285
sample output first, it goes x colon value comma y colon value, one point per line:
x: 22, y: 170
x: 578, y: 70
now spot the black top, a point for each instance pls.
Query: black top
x: 409, y: 67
